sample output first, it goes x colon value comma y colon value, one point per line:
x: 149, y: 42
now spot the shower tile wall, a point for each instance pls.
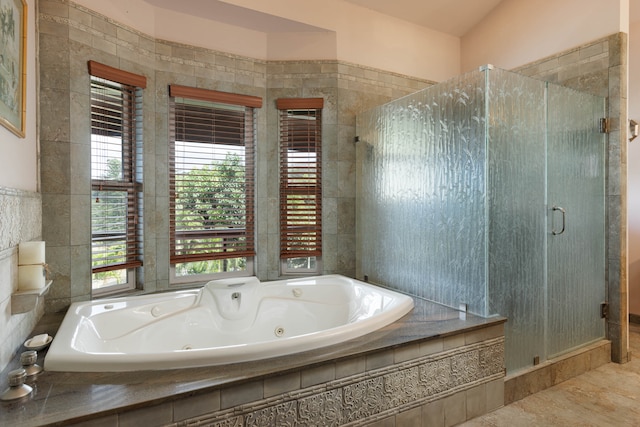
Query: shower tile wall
x: 70, y: 35
x: 20, y: 220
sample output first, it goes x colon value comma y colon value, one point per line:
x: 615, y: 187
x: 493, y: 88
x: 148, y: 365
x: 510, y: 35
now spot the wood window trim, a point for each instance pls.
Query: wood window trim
x: 300, y: 103
x: 116, y: 75
x: 215, y: 96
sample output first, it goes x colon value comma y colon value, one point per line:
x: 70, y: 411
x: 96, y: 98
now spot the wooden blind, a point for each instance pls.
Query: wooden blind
x: 211, y: 180
x: 115, y: 178
x: 300, y: 177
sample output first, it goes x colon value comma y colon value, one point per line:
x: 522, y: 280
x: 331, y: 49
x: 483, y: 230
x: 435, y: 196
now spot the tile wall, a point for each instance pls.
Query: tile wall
x: 70, y: 35
x: 20, y: 221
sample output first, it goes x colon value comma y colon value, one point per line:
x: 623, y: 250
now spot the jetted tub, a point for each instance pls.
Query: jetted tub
x: 227, y: 321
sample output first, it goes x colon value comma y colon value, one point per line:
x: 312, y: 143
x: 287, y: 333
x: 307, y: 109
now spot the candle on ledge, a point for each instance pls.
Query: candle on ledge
x: 31, y: 277
x: 30, y: 253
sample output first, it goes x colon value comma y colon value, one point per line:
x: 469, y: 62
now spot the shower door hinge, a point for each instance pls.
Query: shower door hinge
x: 605, y: 125
x: 604, y: 310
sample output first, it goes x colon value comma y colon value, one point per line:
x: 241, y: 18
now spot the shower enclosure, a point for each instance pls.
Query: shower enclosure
x: 487, y: 192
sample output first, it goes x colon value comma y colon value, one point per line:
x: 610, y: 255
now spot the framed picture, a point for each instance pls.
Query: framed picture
x: 13, y: 73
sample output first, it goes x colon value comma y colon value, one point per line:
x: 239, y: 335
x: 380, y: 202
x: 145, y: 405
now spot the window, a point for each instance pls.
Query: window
x: 211, y: 184
x: 116, y: 177
x: 300, y: 185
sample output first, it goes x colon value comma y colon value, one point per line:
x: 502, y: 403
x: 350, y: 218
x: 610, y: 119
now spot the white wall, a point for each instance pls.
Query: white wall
x: 518, y: 32
x: 18, y: 156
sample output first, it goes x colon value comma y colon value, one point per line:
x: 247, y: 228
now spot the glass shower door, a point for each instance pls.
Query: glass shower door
x: 576, y: 218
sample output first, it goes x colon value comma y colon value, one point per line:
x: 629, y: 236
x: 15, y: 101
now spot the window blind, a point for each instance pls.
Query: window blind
x: 211, y: 178
x: 115, y: 176
x: 300, y: 177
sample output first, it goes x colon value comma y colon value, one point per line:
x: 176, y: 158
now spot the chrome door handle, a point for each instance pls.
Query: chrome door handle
x: 553, y: 230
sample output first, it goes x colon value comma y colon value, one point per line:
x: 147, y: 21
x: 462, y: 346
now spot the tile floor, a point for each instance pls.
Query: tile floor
x: 607, y: 396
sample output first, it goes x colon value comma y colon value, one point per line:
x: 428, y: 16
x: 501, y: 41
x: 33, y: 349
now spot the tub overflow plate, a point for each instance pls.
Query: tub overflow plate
x: 279, y: 331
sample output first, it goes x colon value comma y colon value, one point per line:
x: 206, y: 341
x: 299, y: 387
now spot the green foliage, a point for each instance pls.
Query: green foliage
x: 114, y: 169
x: 211, y: 197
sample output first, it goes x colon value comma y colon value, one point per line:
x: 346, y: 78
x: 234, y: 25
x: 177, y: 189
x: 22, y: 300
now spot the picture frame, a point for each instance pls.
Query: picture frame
x: 13, y: 72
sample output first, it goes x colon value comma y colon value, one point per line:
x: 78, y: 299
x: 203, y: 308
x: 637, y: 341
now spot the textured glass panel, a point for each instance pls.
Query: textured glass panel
x: 422, y: 206
x: 576, y: 257
x: 516, y: 190
x: 456, y: 186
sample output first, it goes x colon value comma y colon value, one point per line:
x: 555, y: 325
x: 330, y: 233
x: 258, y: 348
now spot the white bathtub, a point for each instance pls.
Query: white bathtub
x: 227, y: 321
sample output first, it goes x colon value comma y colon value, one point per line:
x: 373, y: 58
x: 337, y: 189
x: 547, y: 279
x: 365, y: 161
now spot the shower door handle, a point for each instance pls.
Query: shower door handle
x: 553, y: 229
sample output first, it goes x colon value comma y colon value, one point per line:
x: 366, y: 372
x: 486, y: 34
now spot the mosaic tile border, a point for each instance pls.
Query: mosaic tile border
x: 377, y: 394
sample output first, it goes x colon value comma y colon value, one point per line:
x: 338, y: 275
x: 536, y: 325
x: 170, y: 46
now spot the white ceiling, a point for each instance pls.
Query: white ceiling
x: 220, y: 11
x: 454, y: 17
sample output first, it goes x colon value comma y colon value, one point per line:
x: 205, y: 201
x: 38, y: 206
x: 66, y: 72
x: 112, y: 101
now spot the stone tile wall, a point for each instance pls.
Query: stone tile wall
x: 20, y: 221
x: 70, y: 35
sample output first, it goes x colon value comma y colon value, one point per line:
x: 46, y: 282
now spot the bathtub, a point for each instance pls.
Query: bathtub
x: 226, y: 321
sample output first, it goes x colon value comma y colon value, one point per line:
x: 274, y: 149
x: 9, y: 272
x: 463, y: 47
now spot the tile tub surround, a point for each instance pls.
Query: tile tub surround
x: 428, y: 364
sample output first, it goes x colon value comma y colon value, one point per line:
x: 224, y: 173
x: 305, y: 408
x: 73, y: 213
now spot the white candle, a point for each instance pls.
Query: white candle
x: 30, y: 253
x: 31, y: 277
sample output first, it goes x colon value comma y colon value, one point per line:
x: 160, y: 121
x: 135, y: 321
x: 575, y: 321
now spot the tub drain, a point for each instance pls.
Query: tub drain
x: 279, y: 331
